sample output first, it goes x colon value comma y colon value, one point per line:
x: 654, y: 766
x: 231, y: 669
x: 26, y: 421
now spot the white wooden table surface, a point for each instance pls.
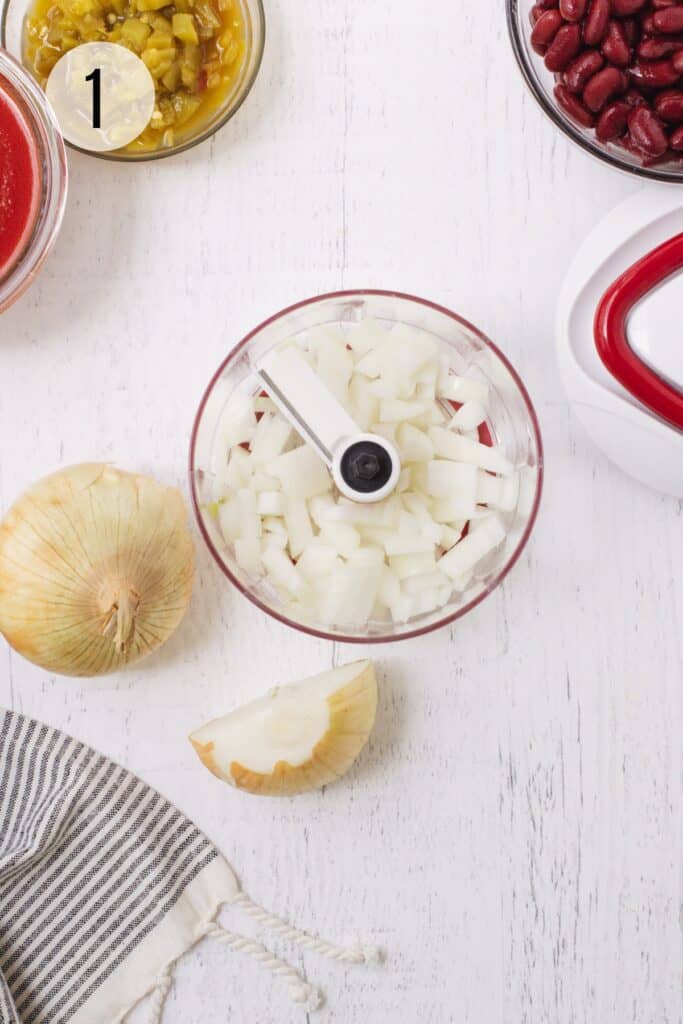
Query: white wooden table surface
x: 512, y: 834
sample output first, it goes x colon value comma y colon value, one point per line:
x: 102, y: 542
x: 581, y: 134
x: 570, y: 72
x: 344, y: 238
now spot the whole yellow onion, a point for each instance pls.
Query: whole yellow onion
x: 96, y: 569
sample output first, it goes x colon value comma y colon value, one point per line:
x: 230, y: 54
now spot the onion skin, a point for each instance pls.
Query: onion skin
x: 96, y: 569
x: 352, y: 716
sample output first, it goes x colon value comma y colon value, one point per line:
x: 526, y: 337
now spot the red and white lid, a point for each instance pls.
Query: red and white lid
x: 639, y: 330
x: 620, y: 336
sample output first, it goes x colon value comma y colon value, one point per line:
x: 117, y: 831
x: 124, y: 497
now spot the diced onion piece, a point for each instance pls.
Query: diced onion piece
x: 396, y: 410
x: 230, y: 519
x: 425, y: 581
x: 498, y: 492
x: 426, y: 383
x: 282, y: 571
x: 457, y: 483
x: 238, y: 422
x: 250, y: 521
x: 274, y: 540
x: 403, y: 608
x: 412, y: 565
x: 432, y: 416
x: 262, y: 403
x: 374, y: 535
x: 248, y: 554
x: 238, y: 473
x: 450, y: 535
x: 317, y: 560
x: 367, y: 557
x: 411, y: 349
x: 301, y: 472
x: 350, y: 595
x: 389, y: 587
x: 387, y: 430
x: 323, y: 337
x: 319, y: 506
x: 263, y: 482
x: 366, y: 335
x: 271, y: 438
x: 364, y: 404
x: 271, y: 503
x: 404, y: 480
x: 468, y: 417
x: 488, y: 489
x: 334, y: 366
x: 429, y: 600
x: 342, y: 537
x: 298, y: 524
x: 461, y: 389
x: 413, y: 444
x: 464, y: 557
x: 369, y: 365
x: 461, y: 583
x: 449, y: 445
x: 406, y: 545
x: 273, y: 524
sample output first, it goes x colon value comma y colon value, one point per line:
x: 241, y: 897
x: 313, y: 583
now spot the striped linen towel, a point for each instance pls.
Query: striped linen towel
x: 104, y: 885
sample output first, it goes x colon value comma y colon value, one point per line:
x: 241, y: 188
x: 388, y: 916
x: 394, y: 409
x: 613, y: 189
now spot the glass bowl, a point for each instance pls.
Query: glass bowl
x: 512, y: 422
x: 541, y: 83
x: 50, y: 156
x: 13, y: 13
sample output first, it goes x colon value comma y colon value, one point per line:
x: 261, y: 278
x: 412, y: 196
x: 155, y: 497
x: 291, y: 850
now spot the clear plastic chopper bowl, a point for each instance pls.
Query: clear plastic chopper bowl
x: 512, y: 423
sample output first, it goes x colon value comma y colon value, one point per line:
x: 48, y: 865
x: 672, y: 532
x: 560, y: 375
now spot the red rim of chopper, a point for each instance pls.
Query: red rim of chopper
x: 611, y: 338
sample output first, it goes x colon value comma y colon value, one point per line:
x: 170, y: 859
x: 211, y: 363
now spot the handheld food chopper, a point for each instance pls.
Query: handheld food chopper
x: 620, y: 349
x: 255, y: 372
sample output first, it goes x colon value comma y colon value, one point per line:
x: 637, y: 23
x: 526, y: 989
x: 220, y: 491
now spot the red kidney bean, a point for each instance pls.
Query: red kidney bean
x: 634, y: 98
x: 670, y: 19
x: 655, y: 73
x: 573, y: 106
x: 655, y: 47
x: 613, y: 121
x: 669, y: 105
x: 625, y: 8
x: 615, y: 47
x: 545, y: 30
x: 677, y: 61
x: 647, y: 132
x: 580, y: 70
x: 657, y: 4
x: 595, y: 25
x: 535, y: 13
x: 631, y: 29
x: 564, y: 47
x: 573, y: 10
x: 603, y: 87
x: 676, y: 139
x: 647, y: 24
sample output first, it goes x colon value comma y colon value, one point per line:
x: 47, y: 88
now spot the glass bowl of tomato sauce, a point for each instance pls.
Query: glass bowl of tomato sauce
x: 33, y: 179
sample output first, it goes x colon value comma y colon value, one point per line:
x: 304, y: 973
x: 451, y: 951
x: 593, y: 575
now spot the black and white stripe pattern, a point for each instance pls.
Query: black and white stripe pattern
x: 91, y: 862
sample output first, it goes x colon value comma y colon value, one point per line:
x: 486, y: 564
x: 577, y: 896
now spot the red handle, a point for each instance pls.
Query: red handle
x: 610, y: 331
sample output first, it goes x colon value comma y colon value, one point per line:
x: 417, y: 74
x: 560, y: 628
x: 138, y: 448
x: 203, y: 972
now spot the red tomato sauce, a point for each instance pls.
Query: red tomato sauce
x: 19, y: 182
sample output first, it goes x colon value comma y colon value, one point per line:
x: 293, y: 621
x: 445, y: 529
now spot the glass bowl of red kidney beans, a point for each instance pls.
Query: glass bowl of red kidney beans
x: 609, y: 73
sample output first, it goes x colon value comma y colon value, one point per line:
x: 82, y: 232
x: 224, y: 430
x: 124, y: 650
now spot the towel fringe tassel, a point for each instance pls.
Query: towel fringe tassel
x: 300, y: 990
